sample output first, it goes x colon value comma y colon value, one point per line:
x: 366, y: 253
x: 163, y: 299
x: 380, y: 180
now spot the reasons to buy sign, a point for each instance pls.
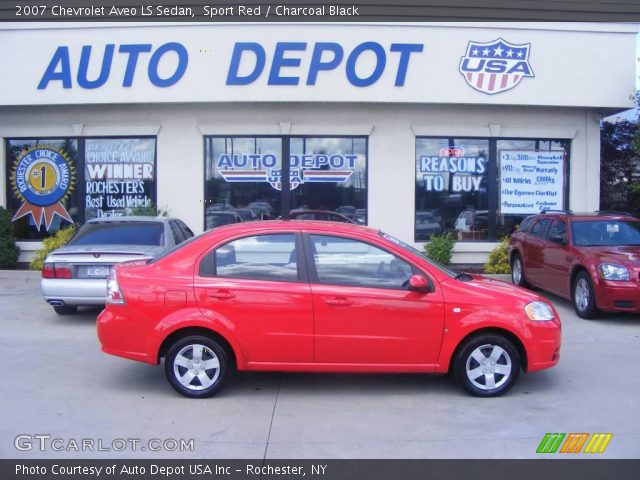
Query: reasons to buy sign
x: 531, y: 181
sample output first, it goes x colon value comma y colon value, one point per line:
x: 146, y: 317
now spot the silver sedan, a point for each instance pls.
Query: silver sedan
x: 77, y: 273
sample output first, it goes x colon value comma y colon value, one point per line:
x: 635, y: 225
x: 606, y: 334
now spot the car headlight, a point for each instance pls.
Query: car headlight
x: 539, y: 311
x: 611, y: 271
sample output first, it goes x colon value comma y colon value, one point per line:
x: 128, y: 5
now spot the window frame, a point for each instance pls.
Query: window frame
x: 493, y: 176
x: 301, y: 267
x: 79, y: 166
x: 313, y: 272
x: 285, y: 198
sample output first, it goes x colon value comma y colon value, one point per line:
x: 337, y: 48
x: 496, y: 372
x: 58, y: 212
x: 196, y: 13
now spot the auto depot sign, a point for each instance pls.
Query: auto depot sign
x: 100, y: 63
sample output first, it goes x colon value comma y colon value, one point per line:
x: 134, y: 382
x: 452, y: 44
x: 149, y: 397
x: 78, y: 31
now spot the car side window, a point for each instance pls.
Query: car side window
x: 558, y: 232
x: 526, y: 224
x: 261, y: 257
x: 186, y: 231
x: 541, y: 227
x: 344, y: 261
x: 178, y: 237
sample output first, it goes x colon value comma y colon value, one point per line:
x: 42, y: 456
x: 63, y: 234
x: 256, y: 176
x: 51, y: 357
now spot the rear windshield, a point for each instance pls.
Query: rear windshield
x: 605, y: 232
x: 125, y: 233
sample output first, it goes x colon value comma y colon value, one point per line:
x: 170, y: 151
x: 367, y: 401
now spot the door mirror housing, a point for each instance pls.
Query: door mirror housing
x: 419, y: 283
x: 557, y: 238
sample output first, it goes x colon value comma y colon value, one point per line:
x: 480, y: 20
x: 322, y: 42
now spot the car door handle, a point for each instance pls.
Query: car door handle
x: 221, y: 295
x: 340, y: 302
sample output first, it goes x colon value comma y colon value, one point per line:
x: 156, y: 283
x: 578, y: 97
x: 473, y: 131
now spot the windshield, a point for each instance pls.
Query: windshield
x: 120, y: 233
x: 447, y: 270
x: 593, y: 233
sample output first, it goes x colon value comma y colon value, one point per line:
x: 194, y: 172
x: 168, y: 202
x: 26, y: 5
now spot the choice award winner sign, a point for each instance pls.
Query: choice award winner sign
x: 42, y: 178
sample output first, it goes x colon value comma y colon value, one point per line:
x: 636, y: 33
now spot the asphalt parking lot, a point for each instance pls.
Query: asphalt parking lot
x: 57, y: 382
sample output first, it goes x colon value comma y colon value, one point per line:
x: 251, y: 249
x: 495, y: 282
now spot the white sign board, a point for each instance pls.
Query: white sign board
x: 531, y: 181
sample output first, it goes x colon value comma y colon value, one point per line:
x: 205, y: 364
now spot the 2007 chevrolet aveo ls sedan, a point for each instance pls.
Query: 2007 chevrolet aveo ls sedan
x: 320, y: 297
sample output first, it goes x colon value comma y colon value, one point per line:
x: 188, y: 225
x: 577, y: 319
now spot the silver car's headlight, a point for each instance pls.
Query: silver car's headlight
x: 611, y: 271
x: 539, y: 311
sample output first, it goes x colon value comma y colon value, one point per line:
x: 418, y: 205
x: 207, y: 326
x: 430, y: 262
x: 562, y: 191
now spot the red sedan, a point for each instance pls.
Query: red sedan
x: 320, y: 297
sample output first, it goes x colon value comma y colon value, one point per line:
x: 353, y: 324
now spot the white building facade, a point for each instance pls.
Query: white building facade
x: 416, y: 129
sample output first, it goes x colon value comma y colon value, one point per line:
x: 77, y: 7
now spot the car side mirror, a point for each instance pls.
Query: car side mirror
x: 557, y: 237
x: 419, y: 283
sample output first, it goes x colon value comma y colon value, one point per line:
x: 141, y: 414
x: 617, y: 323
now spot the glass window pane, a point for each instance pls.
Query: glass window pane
x: 125, y: 233
x: 548, y: 176
x: 120, y: 177
x: 43, y: 185
x: 242, y: 175
x: 330, y: 174
x: 342, y: 261
x: 263, y: 257
x: 451, y: 188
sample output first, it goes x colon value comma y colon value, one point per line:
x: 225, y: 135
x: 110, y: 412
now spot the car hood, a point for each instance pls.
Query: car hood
x: 622, y: 253
x: 490, y: 287
x: 142, y: 250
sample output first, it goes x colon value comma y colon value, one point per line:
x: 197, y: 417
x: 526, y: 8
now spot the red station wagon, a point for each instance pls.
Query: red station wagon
x: 311, y: 296
x: 592, y: 259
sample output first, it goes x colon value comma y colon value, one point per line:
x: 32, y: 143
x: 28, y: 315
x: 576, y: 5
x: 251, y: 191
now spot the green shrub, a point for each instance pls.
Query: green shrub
x: 59, y: 239
x: 440, y: 248
x: 499, y: 258
x: 150, y: 211
x: 9, y: 251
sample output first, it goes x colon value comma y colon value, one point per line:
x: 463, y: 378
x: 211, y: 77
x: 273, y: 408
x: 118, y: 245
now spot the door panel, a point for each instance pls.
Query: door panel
x: 253, y: 285
x: 363, y: 315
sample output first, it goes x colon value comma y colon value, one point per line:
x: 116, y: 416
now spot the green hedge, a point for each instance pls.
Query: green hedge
x: 59, y: 239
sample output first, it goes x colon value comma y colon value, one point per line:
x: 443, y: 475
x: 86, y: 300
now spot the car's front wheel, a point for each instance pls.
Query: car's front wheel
x: 584, y: 298
x: 196, y: 366
x: 487, y: 365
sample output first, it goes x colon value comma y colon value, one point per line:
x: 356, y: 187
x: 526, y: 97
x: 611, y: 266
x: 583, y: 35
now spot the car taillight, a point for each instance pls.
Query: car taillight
x: 48, y: 271
x: 114, y: 295
x: 52, y: 270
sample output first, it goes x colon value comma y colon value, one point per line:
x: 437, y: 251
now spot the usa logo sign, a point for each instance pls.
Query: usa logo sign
x: 495, y: 66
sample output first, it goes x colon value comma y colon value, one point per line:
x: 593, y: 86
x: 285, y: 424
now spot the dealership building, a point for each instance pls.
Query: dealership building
x: 416, y: 129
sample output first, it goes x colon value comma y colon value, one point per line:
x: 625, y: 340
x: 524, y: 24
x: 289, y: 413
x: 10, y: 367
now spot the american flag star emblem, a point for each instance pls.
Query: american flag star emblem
x: 495, y: 66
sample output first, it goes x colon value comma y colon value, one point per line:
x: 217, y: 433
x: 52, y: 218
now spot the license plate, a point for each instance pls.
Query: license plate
x: 97, y: 271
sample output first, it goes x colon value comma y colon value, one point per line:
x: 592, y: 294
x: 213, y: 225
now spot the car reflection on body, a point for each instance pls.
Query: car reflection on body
x: 218, y: 218
x: 313, y: 296
x: 76, y: 274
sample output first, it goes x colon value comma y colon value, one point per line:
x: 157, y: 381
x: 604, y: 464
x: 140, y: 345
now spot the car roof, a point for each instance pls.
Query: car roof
x: 132, y: 218
x: 275, y: 225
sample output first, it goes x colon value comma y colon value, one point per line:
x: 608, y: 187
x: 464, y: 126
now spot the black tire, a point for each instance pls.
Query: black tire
x: 507, y: 360
x: 65, y: 309
x: 186, y: 347
x: 520, y: 280
x: 583, y: 296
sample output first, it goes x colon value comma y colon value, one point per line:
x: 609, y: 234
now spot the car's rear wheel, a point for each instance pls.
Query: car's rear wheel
x: 487, y: 365
x: 65, y: 309
x: 517, y: 271
x: 197, y: 366
x: 584, y: 298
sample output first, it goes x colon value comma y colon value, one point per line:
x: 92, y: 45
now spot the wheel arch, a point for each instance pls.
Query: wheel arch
x: 522, y: 352
x: 207, y: 332
x: 572, y: 278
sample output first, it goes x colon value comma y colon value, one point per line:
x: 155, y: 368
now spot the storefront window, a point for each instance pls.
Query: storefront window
x: 56, y: 182
x: 243, y: 179
x: 244, y: 182
x: 481, y: 189
x: 43, y: 194
x: 119, y: 176
x: 451, y: 188
x: 531, y: 176
x: 330, y: 174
